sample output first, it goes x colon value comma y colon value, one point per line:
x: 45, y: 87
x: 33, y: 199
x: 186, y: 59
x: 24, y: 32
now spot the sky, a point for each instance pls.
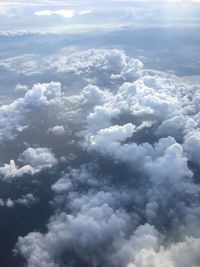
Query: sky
x: 100, y: 133
x: 62, y: 16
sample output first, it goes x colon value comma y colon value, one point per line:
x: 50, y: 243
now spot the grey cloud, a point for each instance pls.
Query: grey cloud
x: 26, y: 200
x: 57, y: 130
x: 131, y: 199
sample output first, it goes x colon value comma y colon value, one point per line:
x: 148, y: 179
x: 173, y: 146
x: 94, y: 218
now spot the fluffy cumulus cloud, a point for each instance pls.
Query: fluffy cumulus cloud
x: 13, y: 117
x: 34, y: 160
x: 113, y: 64
x: 144, y: 249
x: 38, y: 157
x: 93, y: 225
x: 192, y: 146
x: 97, y: 64
x: 130, y: 198
x: 57, y: 130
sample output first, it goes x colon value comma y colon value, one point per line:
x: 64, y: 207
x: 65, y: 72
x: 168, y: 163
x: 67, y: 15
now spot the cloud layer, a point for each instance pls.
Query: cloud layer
x: 126, y: 190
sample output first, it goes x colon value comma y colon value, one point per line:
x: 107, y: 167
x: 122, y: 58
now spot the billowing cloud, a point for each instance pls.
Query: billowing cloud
x: 13, y: 116
x: 192, y: 146
x: 112, y: 64
x: 38, y: 157
x: 126, y: 191
x: 144, y: 248
x: 34, y: 160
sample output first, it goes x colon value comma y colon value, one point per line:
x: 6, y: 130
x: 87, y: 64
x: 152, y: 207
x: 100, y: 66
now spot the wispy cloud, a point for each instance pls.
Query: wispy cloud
x: 62, y: 12
x: 83, y: 12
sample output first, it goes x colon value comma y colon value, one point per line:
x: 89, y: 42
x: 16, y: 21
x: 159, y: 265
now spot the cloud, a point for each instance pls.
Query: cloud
x: 42, y: 94
x: 138, y: 99
x: 172, y: 165
x: 9, y: 203
x: 192, y: 146
x: 90, y: 228
x: 13, y: 117
x: 26, y: 200
x: 94, y: 63
x: 83, y: 12
x: 62, y: 12
x: 129, y: 196
x: 24, y: 33
x: 10, y: 171
x: 38, y: 157
x: 34, y: 160
x: 112, y: 136
x: 176, y: 126
x: 66, y: 13
x: 144, y: 249
x: 57, y: 130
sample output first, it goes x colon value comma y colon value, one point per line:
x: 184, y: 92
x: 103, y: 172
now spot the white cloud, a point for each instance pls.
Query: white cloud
x: 34, y: 159
x: 10, y: 171
x: 192, y: 146
x: 144, y: 249
x: 171, y: 166
x: 38, y: 157
x: 112, y: 64
x: 112, y: 136
x: 62, y: 12
x: 57, y: 130
x: 13, y: 116
x: 83, y: 12
x: 138, y: 99
x: 93, y: 95
x: 42, y: 94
